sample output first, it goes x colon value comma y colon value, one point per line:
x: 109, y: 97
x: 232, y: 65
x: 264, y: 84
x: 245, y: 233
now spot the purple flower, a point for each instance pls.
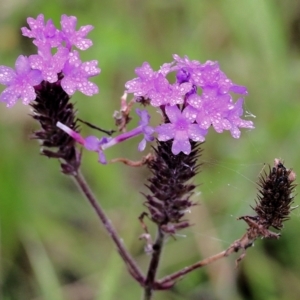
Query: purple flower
x: 143, y: 128
x: 92, y: 143
x: 42, y: 34
x: 49, y: 35
x: 20, y: 82
x: 146, y: 129
x: 202, y: 87
x: 218, y: 110
x: 212, y: 109
x: 235, y: 121
x: 76, y: 75
x: 164, y: 93
x: 205, y: 75
x: 50, y: 65
x: 156, y: 87
x: 143, y: 84
x: 215, y: 104
x: 73, y: 37
x: 181, y: 128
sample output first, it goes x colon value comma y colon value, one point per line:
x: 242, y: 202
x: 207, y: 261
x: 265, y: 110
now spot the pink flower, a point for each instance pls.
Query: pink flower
x: 20, y: 82
x: 181, y: 128
x: 76, y: 75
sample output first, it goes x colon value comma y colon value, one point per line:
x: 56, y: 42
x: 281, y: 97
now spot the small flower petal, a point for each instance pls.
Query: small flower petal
x: 181, y: 146
x: 50, y: 65
x: 19, y: 83
x: 73, y: 37
x: 42, y: 34
x: 165, y: 132
x: 7, y: 75
x: 76, y: 75
x: 182, y: 128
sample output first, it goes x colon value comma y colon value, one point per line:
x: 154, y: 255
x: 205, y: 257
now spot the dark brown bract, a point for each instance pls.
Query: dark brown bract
x: 50, y: 106
x: 275, y: 196
x: 169, y: 186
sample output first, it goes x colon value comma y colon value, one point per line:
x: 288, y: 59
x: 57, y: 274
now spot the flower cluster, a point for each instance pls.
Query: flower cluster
x: 200, y: 98
x: 46, y: 81
x: 64, y: 65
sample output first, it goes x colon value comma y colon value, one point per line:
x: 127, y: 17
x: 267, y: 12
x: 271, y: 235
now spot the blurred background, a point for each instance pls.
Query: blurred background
x: 53, y: 247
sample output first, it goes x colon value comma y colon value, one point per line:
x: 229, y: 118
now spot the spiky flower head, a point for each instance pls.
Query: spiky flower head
x: 275, y: 197
x: 50, y: 106
x: 274, y: 202
x: 170, y: 186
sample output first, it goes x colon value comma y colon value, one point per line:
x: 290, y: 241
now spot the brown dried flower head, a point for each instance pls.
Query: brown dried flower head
x: 273, y: 204
x: 275, y: 196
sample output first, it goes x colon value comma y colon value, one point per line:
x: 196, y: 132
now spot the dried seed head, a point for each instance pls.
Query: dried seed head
x: 273, y: 204
x: 275, y: 196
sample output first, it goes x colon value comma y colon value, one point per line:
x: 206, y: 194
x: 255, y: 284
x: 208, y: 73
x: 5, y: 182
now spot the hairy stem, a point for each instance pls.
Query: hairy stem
x: 153, y: 266
x: 129, y: 261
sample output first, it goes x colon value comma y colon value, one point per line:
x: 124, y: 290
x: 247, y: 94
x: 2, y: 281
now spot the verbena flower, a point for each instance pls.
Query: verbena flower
x: 48, y: 64
x: 206, y: 75
x: 143, y: 84
x: 20, y: 82
x: 146, y: 129
x: 200, y: 98
x: 48, y: 34
x: 93, y: 143
x: 76, y: 75
x: 42, y: 34
x: 73, y: 37
x: 156, y: 87
x: 46, y: 81
x: 181, y: 129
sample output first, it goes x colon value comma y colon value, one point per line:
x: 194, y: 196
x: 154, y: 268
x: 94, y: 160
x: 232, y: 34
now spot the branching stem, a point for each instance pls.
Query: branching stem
x: 242, y: 244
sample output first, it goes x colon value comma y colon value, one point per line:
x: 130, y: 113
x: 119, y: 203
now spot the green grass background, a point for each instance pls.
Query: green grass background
x: 52, y: 245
